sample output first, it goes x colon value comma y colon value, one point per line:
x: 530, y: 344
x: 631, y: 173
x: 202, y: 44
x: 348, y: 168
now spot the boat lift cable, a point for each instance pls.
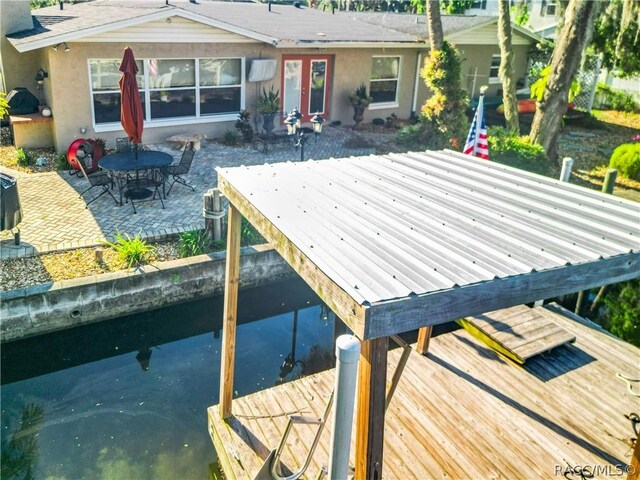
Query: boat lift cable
x: 272, y: 468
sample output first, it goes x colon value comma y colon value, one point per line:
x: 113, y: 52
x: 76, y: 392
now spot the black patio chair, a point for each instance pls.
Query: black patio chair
x: 177, y: 171
x: 97, y: 179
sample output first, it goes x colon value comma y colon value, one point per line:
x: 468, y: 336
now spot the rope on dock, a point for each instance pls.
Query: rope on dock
x: 629, y: 382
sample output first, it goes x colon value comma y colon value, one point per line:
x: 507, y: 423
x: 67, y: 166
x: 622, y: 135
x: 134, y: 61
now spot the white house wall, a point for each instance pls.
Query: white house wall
x: 173, y: 30
x: 485, y: 35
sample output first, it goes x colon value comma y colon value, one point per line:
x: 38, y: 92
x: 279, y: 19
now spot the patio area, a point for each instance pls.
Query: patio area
x: 56, y: 219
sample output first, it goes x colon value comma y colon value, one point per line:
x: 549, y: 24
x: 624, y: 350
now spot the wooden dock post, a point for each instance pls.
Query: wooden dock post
x: 231, y: 281
x: 213, y: 214
x: 424, y: 336
x: 372, y: 384
x: 609, y: 180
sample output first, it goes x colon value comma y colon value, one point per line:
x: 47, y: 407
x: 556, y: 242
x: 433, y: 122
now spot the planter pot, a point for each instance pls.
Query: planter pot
x: 267, y: 122
x: 358, y: 113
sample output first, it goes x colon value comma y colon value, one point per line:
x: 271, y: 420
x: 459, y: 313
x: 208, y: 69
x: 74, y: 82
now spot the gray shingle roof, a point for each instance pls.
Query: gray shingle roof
x: 284, y: 24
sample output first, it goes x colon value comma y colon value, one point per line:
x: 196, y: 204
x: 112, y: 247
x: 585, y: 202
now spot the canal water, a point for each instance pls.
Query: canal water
x: 126, y: 399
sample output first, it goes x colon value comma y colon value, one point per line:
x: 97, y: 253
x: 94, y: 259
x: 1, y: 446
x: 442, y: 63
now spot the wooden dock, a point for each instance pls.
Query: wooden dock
x: 518, y: 332
x: 464, y: 412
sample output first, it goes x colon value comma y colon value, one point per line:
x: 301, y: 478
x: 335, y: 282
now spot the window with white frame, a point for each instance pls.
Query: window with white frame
x: 181, y: 89
x: 385, y: 76
x: 482, y: 5
x: 548, y: 8
x: 495, y: 67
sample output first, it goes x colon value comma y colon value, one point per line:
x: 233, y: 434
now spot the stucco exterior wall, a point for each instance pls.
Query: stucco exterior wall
x: 71, y: 104
x: 479, y: 56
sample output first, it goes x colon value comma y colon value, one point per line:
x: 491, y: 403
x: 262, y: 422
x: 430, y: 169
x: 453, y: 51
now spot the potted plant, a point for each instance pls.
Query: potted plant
x: 268, y: 107
x: 360, y: 100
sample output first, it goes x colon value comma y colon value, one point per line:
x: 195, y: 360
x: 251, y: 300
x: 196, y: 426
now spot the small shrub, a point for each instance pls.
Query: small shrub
x: 243, y: 125
x: 623, y: 311
x: 516, y: 151
x: 617, y: 99
x: 378, y: 122
x: 269, y: 102
x: 61, y: 162
x: 24, y: 157
x: 131, y: 251
x: 230, y: 139
x: 626, y: 159
x: 194, y: 242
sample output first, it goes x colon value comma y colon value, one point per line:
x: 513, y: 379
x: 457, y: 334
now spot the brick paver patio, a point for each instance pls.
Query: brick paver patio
x: 56, y: 219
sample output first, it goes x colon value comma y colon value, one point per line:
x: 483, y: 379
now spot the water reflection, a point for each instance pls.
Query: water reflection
x: 127, y: 399
x: 20, y: 451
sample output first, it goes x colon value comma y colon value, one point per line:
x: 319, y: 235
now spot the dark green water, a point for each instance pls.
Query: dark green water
x: 127, y: 399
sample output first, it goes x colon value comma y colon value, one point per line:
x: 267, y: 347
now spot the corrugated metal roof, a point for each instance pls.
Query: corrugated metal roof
x: 401, y: 226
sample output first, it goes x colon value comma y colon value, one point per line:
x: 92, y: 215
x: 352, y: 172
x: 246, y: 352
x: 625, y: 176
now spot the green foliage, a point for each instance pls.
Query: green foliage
x: 131, y: 251
x: 455, y: 7
x: 194, y: 242
x: 360, y: 96
x: 20, y: 451
x: 520, y: 13
x: 617, y: 39
x: 243, y: 126
x: 230, y: 139
x: 24, y: 157
x: 623, y: 311
x: 538, y: 87
x: 617, y: 99
x: 269, y: 102
x: 516, y: 151
x: 249, y: 235
x: 4, y: 105
x: 445, y: 110
x: 626, y: 159
x: 61, y: 161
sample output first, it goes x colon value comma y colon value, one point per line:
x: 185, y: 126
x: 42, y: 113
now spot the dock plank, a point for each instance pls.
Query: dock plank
x: 463, y: 411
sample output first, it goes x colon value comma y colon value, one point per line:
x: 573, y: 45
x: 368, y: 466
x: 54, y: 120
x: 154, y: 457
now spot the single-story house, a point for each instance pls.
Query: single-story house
x: 202, y: 62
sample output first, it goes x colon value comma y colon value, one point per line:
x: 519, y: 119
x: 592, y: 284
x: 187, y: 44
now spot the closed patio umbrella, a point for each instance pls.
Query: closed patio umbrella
x: 131, y: 115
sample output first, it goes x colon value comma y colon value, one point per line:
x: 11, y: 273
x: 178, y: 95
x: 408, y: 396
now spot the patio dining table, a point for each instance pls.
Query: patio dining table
x: 126, y: 162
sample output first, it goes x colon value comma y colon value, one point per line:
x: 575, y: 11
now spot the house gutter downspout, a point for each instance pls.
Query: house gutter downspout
x: 414, y: 106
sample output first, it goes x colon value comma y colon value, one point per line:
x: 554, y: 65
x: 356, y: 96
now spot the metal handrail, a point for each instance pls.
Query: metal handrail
x: 276, y: 473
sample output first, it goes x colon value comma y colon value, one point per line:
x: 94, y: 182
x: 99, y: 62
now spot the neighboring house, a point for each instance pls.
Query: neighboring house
x: 196, y: 61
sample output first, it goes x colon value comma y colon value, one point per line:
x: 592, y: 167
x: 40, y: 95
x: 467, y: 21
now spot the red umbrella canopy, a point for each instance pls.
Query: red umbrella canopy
x: 131, y: 115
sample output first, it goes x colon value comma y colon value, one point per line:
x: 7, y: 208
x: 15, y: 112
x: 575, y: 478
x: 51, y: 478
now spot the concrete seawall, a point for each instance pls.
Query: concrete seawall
x: 55, y: 306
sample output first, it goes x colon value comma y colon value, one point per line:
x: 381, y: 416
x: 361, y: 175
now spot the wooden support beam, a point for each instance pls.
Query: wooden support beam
x: 372, y: 382
x: 231, y: 282
x: 424, y: 337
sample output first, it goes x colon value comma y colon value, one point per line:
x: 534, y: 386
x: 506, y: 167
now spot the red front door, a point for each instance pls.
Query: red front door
x: 305, y: 84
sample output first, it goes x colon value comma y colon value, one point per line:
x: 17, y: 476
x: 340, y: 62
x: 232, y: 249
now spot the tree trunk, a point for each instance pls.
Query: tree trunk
x: 506, y: 72
x: 436, y: 37
x: 561, y: 9
x: 564, y: 63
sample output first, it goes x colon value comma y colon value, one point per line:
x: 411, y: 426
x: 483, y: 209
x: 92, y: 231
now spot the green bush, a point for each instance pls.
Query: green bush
x: 195, y: 242
x: 516, y: 151
x: 61, y: 162
x: 617, y: 99
x: 131, y: 251
x: 230, y: 139
x: 623, y: 311
x: 243, y: 125
x: 626, y: 159
x: 24, y: 157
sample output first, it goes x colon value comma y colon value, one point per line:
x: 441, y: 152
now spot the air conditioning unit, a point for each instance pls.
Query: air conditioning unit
x: 261, y: 70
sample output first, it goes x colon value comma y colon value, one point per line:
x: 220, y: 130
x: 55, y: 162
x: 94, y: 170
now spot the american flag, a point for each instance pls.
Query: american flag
x: 477, y: 140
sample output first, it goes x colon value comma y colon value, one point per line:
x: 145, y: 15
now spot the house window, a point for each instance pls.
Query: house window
x: 548, y: 7
x: 480, y: 5
x: 495, y: 67
x: 181, y: 89
x: 385, y: 74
